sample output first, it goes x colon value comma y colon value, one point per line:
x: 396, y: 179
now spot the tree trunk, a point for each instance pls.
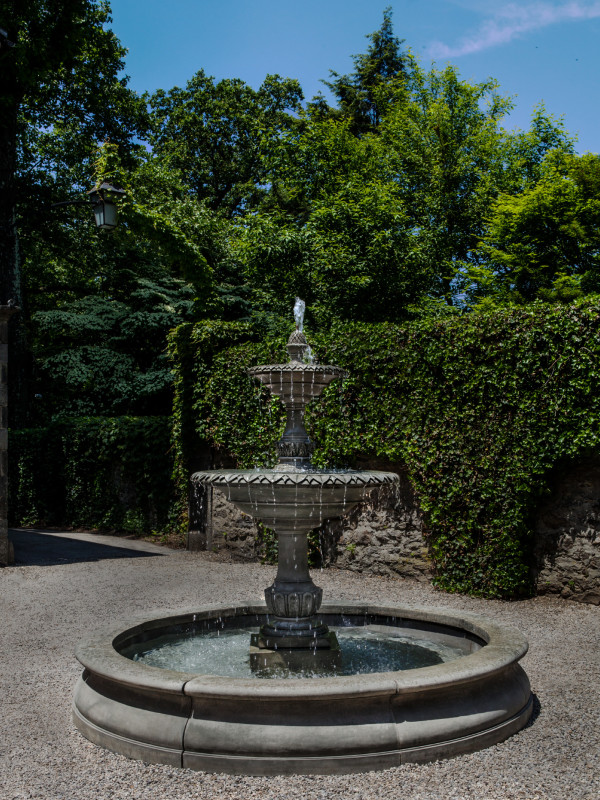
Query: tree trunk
x: 10, y: 274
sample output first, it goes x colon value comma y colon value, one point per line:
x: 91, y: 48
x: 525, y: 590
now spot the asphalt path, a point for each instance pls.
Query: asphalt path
x: 36, y: 547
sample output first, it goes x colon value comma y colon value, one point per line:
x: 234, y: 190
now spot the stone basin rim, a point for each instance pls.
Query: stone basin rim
x: 296, y: 366
x: 228, y: 477
x: 504, y: 645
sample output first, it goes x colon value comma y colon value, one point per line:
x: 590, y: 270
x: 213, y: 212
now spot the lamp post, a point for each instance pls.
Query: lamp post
x: 103, y: 201
x: 6, y: 549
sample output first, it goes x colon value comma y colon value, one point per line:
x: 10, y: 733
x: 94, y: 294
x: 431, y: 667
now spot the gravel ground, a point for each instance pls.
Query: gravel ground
x: 45, y: 610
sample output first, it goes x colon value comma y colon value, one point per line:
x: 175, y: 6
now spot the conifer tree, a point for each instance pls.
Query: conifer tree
x: 365, y: 94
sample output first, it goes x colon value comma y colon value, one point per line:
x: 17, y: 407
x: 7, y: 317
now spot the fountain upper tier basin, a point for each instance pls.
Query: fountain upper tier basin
x: 295, y: 499
x: 295, y: 381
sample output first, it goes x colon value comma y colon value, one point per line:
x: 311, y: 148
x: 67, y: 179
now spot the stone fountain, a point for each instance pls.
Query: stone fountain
x: 401, y: 684
x: 292, y: 499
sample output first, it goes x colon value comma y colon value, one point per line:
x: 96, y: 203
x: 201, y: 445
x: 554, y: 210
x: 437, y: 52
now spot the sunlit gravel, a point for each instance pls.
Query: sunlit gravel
x: 45, y: 610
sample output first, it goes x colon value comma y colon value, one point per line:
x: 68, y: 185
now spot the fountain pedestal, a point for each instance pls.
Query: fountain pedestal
x: 293, y: 600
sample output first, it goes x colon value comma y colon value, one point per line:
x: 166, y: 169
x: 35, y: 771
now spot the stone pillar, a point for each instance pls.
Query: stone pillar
x: 6, y: 550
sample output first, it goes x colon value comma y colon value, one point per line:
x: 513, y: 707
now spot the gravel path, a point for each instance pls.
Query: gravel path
x: 46, y: 609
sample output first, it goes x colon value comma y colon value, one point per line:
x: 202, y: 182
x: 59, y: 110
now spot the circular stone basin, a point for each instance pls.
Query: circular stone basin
x: 298, y: 500
x: 296, y: 379
x: 475, y: 695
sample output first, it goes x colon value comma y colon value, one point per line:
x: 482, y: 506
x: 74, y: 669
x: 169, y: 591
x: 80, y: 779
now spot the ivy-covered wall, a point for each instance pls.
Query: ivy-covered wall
x: 479, y: 407
x: 95, y: 472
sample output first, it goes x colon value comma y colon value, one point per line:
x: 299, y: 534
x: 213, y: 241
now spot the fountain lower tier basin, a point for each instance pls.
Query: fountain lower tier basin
x: 260, y: 726
x: 297, y: 500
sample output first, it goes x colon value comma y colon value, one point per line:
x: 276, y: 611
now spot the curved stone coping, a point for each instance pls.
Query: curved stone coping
x: 237, y: 477
x: 503, y: 646
x: 297, y: 366
x: 276, y: 726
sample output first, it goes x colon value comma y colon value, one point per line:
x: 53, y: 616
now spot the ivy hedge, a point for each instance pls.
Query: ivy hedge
x: 110, y: 473
x: 478, y: 407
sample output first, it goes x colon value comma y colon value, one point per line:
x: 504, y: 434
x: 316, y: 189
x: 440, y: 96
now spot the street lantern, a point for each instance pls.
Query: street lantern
x: 104, y: 204
x: 103, y: 200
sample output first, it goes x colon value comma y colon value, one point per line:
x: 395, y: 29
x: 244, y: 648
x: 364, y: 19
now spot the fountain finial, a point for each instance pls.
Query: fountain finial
x: 299, y: 307
x: 297, y: 345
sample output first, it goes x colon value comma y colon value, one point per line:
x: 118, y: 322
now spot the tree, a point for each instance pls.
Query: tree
x: 103, y: 304
x: 59, y: 96
x: 366, y: 95
x: 60, y: 75
x: 212, y: 135
x: 528, y: 149
x: 544, y: 243
x: 104, y: 353
x: 385, y: 220
x: 337, y: 231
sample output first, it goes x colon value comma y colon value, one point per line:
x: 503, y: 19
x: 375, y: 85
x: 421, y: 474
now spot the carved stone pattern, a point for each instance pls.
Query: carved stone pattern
x: 271, y: 477
x: 293, y: 604
x: 297, y: 366
x: 295, y: 449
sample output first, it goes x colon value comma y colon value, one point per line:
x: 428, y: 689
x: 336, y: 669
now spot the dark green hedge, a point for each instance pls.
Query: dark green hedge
x: 479, y: 408
x: 94, y: 472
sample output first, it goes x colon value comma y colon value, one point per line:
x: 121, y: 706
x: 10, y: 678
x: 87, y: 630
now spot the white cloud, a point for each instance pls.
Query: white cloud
x: 512, y: 20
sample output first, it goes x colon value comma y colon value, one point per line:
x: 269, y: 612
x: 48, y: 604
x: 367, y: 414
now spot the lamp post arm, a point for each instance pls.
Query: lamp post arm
x: 72, y: 203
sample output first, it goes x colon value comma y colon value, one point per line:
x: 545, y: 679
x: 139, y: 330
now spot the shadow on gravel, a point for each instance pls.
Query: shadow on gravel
x: 537, y: 710
x: 35, y: 548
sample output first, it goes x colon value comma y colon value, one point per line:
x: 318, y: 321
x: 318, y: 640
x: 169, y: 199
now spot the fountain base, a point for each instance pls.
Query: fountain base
x: 319, y: 638
x: 317, y: 656
x: 259, y: 726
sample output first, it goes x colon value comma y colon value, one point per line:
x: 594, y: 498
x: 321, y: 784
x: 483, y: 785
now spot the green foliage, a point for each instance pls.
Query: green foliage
x: 62, y: 84
x: 544, y: 242
x: 374, y: 225
x: 479, y: 407
x: 198, y: 353
x: 212, y: 135
x: 104, y: 353
x: 366, y: 95
x: 111, y: 473
x: 447, y: 150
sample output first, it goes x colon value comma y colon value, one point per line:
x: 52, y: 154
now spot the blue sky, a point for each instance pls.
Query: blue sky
x: 538, y: 51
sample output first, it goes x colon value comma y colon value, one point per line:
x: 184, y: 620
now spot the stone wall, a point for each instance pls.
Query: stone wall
x: 567, y: 544
x: 382, y: 536
x: 385, y: 534
x: 7, y: 555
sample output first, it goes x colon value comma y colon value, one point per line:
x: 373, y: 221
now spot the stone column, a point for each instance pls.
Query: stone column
x: 6, y: 550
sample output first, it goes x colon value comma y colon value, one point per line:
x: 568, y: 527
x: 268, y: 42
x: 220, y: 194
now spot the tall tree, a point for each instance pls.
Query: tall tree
x: 60, y: 94
x: 365, y: 95
x: 61, y: 73
x: 213, y: 134
x: 544, y: 242
x: 446, y: 149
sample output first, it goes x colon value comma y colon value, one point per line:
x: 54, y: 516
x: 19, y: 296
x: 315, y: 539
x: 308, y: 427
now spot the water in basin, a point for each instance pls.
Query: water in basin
x: 225, y: 652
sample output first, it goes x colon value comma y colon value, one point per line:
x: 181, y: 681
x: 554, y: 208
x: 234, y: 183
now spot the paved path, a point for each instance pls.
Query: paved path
x: 47, y: 547
x: 67, y: 585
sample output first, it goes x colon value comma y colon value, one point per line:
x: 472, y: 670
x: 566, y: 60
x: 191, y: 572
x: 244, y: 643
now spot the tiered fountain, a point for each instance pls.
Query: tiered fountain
x: 292, y: 499
x: 312, y: 689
